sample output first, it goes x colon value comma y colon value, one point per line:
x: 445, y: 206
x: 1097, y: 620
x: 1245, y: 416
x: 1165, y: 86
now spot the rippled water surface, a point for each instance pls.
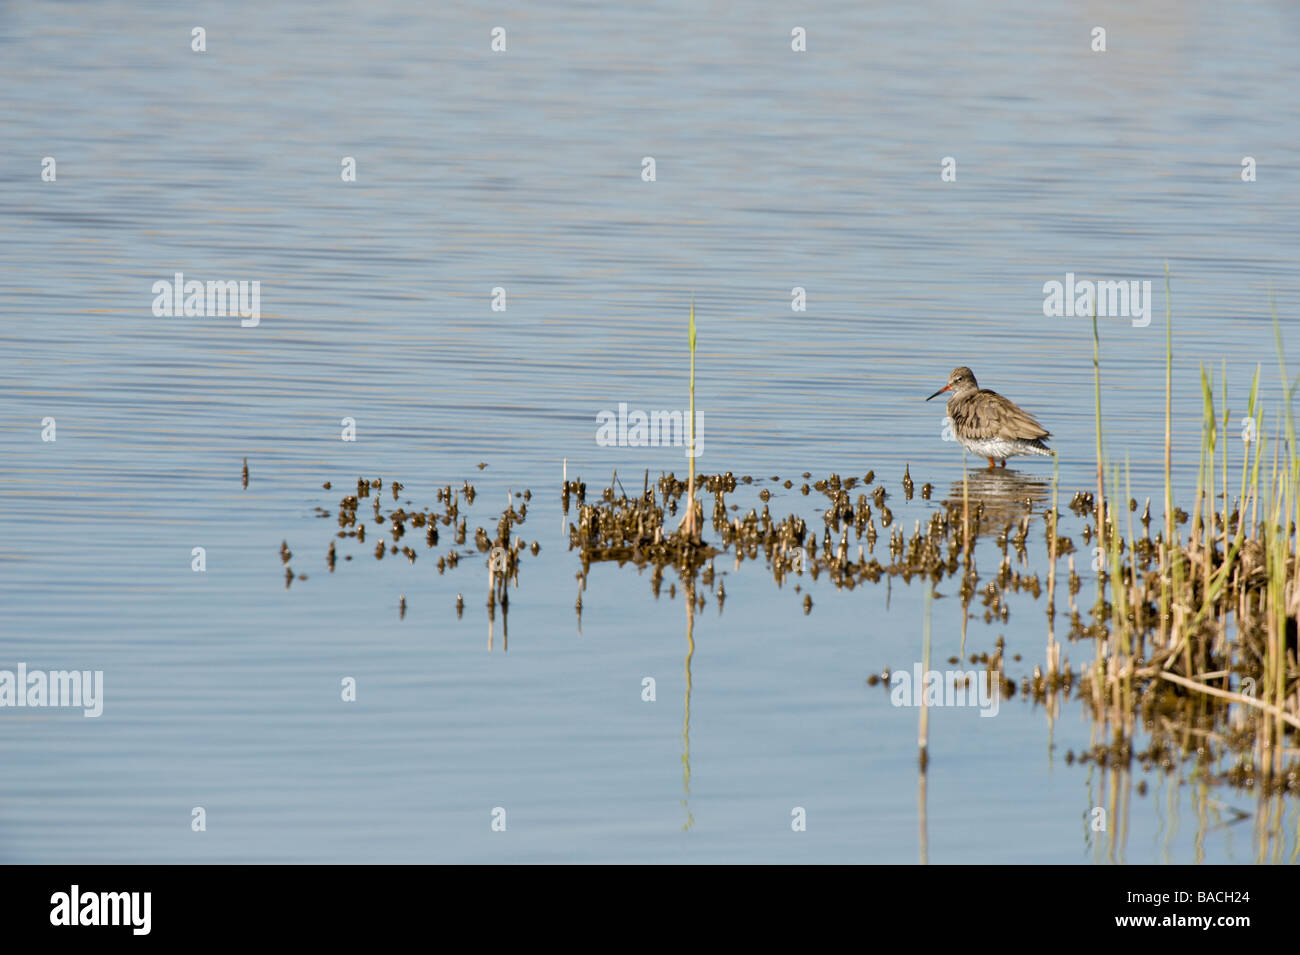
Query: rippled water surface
x: 522, y: 171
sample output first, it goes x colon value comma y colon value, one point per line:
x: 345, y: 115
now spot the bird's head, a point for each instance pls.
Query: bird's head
x: 961, y: 380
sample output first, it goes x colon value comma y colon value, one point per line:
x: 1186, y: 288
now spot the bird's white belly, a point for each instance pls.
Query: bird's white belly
x: 992, y: 447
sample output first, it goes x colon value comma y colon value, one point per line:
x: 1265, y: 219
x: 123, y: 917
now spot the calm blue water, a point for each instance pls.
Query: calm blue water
x: 522, y: 170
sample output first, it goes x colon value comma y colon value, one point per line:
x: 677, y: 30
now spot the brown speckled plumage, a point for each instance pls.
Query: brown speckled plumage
x: 988, y: 424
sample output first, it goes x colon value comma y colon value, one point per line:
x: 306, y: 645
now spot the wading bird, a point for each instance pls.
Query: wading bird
x: 989, y: 425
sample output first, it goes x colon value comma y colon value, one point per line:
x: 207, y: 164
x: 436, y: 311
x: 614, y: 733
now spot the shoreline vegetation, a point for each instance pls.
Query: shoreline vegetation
x: 1188, y: 637
x: 1192, y: 629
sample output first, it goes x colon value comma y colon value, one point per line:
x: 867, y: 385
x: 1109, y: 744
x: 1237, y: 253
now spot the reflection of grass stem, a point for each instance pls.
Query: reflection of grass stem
x: 1053, y: 518
x: 923, y: 734
x: 688, y: 586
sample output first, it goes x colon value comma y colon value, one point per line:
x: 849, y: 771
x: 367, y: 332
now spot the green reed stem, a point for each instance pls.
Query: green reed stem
x: 1096, y: 389
x: 691, y: 529
x: 1167, y: 552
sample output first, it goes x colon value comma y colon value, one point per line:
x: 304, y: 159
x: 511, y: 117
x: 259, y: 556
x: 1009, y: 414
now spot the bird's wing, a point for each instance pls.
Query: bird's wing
x: 988, y: 415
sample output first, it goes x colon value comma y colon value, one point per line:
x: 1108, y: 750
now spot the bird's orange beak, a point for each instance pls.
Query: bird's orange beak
x: 940, y: 391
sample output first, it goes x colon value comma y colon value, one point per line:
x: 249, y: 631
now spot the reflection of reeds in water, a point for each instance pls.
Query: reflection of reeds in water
x: 1226, y: 590
x: 923, y: 732
x: 1053, y: 552
x: 689, y: 589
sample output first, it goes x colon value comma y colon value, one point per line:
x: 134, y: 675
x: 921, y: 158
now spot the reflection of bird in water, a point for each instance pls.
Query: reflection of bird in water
x: 1004, y: 496
x: 989, y: 425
